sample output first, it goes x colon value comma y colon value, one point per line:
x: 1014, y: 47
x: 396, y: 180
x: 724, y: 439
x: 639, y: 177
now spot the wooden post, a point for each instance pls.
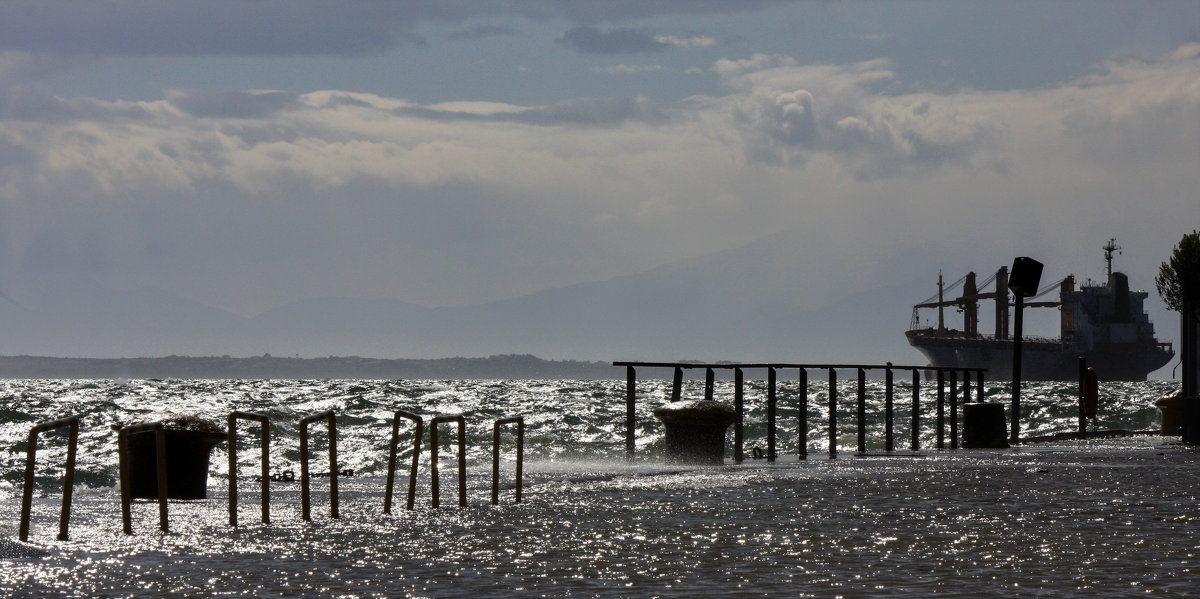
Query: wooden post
x: 709, y: 378
x: 677, y: 384
x: 953, y: 409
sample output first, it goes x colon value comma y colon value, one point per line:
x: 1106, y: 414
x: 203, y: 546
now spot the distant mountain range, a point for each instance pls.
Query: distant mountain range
x: 755, y: 303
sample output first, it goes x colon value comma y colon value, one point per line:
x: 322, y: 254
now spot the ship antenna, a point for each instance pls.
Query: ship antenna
x: 1109, y: 248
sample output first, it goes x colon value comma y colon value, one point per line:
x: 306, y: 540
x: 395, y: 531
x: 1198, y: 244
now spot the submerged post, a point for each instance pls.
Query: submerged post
x: 802, y: 417
x: 265, y: 441
x: 862, y: 410
x: 160, y: 446
x: 1082, y: 398
x: 832, y: 413
x: 520, y: 422
x: 953, y: 409
x: 677, y: 384
x: 941, y: 409
x: 418, y: 426
x: 770, y: 414
x: 333, y: 471
x: 709, y: 378
x: 887, y: 410
x: 916, y: 410
x: 739, y: 407
x: 630, y: 416
x: 462, y: 456
x: 64, y: 518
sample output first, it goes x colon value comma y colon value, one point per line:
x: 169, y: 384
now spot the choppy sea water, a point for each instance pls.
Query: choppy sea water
x: 1113, y: 517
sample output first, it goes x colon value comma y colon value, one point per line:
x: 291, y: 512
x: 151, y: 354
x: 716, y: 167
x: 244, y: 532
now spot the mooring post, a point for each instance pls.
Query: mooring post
x: 160, y: 455
x: 677, y: 384
x: 802, y: 418
x: 916, y: 410
x: 331, y: 420
x: 953, y: 409
x: 862, y: 410
x: 630, y: 401
x: 520, y: 422
x: 462, y: 456
x: 739, y: 399
x: 832, y: 413
x: 1082, y: 386
x: 770, y: 413
x: 941, y: 409
x: 709, y: 378
x: 888, y: 441
x: 979, y: 386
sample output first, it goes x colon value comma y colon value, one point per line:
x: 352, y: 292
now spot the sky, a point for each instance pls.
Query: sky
x: 246, y: 155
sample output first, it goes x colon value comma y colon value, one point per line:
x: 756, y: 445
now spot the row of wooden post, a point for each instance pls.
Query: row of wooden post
x: 264, y: 422
x: 802, y: 401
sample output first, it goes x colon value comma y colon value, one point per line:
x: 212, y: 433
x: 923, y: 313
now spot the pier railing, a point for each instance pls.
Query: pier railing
x: 772, y: 370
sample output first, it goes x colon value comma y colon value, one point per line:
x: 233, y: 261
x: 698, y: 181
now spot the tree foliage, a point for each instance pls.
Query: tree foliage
x: 1178, y: 279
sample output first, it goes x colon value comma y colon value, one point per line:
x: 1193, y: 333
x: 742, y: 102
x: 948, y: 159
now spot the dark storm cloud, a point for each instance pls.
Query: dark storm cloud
x: 586, y: 112
x: 590, y: 40
x: 300, y: 27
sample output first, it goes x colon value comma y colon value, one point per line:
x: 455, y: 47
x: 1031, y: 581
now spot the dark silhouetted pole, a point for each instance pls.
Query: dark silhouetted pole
x: 739, y: 404
x: 770, y: 414
x: 802, y: 417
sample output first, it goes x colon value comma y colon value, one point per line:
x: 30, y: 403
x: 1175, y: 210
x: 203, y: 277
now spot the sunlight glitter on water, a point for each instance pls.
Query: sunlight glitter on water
x: 1073, y: 519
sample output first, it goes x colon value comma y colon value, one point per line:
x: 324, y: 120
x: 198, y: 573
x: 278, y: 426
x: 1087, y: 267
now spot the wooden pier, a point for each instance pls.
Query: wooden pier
x: 772, y: 371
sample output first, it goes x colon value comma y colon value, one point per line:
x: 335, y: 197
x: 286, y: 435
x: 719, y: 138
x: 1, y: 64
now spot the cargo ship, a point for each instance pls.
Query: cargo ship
x: 1104, y: 323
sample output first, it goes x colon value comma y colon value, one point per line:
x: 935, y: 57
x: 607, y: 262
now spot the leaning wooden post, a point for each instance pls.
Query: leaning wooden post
x: 630, y: 401
x: 64, y: 518
x: 738, y: 407
x: 770, y: 413
x: 418, y: 431
x: 802, y: 418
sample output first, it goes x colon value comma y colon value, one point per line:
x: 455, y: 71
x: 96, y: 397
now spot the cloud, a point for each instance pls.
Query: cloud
x: 246, y: 199
x: 629, y: 69
x: 790, y: 112
x: 691, y: 41
x: 479, y: 32
x: 590, y: 40
x: 586, y: 112
x: 253, y: 104
x: 307, y: 27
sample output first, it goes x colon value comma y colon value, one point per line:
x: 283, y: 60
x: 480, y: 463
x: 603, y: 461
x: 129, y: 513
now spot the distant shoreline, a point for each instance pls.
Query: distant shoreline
x: 507, y: 366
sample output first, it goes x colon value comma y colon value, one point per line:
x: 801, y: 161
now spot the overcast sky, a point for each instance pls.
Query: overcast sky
x: 249, y: 154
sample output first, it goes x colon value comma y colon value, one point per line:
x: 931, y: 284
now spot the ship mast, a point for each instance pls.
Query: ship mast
x: 941, y: 305
x: 1109, y: 248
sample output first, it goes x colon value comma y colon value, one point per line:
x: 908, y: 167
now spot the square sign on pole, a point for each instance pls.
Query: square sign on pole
x: 1023, y: 281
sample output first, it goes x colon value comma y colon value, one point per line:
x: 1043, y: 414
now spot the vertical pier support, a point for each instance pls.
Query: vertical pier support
x: 888, y: 440
x: 630, y: 410
x: 941, y: 409
x: 331, y: 419
x: 862, y: 410
x: 770, y: 414
x: 418, y: 430
x: 953, y: 409
x: 64, y: 518
x: 265, y: 467
x: 802, y: 418
x: 832, y: 413
x: 1082, y: 386
x: 916, y: 410
x: 462, y: 457
x: 739, y: 399
x: 677, y: 384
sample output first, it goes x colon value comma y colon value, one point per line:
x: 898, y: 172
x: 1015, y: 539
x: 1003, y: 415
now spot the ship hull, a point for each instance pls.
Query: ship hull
x: 1041, y: 359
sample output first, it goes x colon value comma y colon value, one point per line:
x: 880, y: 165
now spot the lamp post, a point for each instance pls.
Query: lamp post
x: 1023, y: 281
